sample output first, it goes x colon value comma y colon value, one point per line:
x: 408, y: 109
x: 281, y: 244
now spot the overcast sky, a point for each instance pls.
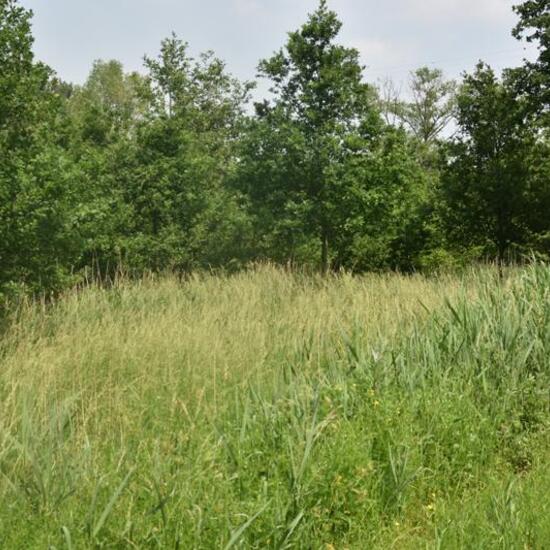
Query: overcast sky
x: 393, y: 36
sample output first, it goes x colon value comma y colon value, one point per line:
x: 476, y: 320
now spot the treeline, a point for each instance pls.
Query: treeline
x: 173, y: 169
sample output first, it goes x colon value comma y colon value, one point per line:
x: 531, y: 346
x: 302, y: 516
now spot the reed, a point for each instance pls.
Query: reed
x: 272, y: 409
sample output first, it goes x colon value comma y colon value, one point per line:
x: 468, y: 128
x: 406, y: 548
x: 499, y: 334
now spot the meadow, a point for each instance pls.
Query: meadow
x: 272, y: 409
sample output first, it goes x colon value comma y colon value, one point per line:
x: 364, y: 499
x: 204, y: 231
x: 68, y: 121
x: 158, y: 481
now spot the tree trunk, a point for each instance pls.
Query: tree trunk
x: 325, y: 260
x: 502, y: 249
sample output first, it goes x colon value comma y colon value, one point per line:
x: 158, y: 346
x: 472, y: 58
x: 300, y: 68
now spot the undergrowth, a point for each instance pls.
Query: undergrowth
x: 277, y: 410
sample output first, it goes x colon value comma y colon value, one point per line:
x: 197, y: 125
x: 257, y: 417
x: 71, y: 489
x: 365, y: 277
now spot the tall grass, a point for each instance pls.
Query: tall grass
x: 279, y: 410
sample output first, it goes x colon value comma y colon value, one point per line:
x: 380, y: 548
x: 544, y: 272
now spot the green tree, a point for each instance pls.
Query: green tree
x: 23, y: 83
x: 37, y: 241
x: 104, y: 116
x: 534, y: 77
x: 486, y: 185
x: 184, y: 214
x: 109, y: 105
x: 385, y: 206
x: 430, y: 110
x: 322, y: 112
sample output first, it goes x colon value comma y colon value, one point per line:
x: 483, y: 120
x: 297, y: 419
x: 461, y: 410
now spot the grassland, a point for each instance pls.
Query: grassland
x: 279, y: 410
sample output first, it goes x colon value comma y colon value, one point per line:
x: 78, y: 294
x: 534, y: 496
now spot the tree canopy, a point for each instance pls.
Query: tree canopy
x: 171, y: 168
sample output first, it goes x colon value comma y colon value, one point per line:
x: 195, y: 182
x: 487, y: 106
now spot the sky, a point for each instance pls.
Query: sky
x: 393, y: 36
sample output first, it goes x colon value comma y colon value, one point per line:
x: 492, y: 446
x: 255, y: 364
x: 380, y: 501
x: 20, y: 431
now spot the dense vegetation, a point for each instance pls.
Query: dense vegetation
x: 270, y: 409
x: 290, y: 399
x: 171, y: 169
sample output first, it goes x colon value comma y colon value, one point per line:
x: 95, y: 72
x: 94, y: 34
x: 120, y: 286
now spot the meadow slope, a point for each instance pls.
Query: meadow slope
x: 278, y: 410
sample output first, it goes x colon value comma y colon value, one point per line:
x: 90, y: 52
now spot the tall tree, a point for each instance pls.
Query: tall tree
x: 23, y: 82
x: 110, y: 103
x: 104, y: 115
x: 534, y: 27
x: 184, y: 151
x: 487, y: 181
x: 320, y: 103
x: 37, y: 243
x: 431, y: 107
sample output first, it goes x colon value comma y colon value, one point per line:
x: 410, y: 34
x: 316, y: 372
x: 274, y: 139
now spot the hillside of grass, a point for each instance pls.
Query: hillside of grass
x: 272, y: 409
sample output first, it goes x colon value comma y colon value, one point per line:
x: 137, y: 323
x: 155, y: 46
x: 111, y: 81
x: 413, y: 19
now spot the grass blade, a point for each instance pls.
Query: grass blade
x: 111, y: 503
x: 239, y: 532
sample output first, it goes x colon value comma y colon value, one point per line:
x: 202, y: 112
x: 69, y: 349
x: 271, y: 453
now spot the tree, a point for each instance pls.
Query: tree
x: 390, y: 103
x: 383, y: 207
x: 487, y: 181
x: 23, y: 83
x: 109, y: 105
x: 431, y: 108
x: 534, y: 78
x: 37, y: 241
x: 101, y: 117
x: 322, y: 113
x: 183, y: 154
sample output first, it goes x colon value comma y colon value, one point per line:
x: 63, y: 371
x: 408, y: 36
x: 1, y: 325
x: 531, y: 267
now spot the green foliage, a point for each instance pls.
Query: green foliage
x: 38, y: 243
x: 431, y: 108
x: 170, y: 171
x: 270, y: 410
x: 323, y: 113
x: 108, y: 106
x: 486, y: 186
x: 534, y: 78
x: 154, y: 154
x: 20, y: 78
x: 183, y: 155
